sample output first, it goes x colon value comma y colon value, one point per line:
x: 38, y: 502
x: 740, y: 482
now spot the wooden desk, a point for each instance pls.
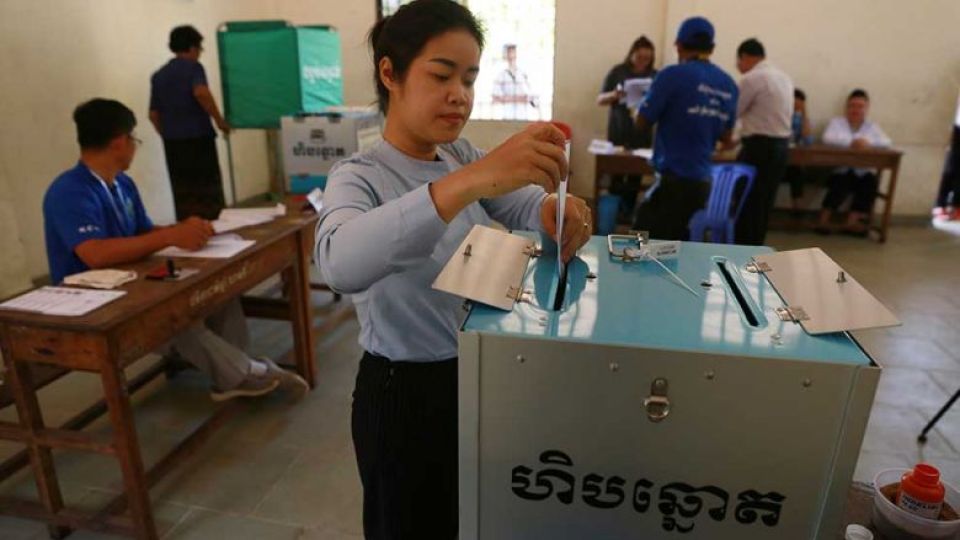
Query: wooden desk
x: 116, y: 335
x: 879, y: 159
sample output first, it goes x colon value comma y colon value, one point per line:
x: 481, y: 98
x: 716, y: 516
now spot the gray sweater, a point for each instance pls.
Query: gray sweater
x: 380, y: 238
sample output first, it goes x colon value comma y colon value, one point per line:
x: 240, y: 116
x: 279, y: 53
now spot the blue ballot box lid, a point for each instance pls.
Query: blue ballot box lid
x: 638, y: 304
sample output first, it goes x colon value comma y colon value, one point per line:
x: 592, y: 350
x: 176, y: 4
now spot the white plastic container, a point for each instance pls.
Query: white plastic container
x: 894, y: 523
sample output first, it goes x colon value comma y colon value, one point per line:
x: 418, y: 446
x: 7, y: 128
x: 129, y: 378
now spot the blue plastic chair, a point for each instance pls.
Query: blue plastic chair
x: 717, y: 217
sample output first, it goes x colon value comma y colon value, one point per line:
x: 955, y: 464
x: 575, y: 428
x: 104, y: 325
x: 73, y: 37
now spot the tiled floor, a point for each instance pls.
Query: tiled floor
x: 285, y: 469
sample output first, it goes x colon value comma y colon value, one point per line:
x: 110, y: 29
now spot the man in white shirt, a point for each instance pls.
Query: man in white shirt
x: 511, y: 89
x: 852, y: 130
x: 765, y: 110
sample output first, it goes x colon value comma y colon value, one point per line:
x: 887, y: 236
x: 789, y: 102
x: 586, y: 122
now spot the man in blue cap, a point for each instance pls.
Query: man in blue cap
x: 694, y: 104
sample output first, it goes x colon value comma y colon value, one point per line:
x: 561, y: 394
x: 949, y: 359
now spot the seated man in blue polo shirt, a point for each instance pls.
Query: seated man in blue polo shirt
x: 694, y: 105
x: 94, y: 218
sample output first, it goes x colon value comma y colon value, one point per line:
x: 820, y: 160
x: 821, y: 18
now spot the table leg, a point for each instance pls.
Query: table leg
x: 888, y: 202
x: 128, y: 450
x: 41, y: 458
x: 301, y: 314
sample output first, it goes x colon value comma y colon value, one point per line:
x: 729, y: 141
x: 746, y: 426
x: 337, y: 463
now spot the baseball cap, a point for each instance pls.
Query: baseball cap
x: 696, y: 31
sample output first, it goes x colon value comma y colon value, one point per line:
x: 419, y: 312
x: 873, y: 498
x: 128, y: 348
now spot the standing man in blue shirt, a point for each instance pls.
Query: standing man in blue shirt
x: 181, y: 107
x: 694, y: 105
x: 94, y: 218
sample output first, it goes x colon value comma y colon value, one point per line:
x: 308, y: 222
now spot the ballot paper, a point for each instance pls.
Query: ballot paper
x: 101, y: 279
x: 315, y: 198
x: 235, y: 218
x: 636, y: 91
x: 561, y: 207
x: 221, y: 246
x: 66, y: 301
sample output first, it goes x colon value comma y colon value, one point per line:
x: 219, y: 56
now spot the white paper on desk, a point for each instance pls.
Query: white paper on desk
x: 645, y: 153
x: 234, y: 218
x: 222, y: 246
x: 106, y: 278
x: 636, y: 91
x: 561, y: 208
x: 601, y: 147
x: 66, y: 301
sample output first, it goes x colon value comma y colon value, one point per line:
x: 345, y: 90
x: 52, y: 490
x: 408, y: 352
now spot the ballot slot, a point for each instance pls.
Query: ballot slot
x: 559, y: 291
x: 748, y: 309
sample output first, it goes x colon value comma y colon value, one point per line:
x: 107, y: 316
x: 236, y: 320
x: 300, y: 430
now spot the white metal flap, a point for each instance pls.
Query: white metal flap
x: 488, y: 267
x: 819, y: 294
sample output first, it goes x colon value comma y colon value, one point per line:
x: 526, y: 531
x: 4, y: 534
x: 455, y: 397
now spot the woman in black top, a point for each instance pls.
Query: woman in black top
x: 621, y: 129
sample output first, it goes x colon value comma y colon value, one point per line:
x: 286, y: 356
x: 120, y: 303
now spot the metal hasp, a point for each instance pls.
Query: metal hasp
x: 657, y: 404
x: 627, y: 254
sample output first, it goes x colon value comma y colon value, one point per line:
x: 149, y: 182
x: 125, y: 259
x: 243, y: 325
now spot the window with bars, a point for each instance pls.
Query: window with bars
x: 516, y: 69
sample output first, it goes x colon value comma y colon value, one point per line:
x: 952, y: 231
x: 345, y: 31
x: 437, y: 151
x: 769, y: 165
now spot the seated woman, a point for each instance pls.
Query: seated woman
x: 855, y: 131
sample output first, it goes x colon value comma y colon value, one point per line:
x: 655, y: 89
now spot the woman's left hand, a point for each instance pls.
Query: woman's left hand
x: 577, y: 223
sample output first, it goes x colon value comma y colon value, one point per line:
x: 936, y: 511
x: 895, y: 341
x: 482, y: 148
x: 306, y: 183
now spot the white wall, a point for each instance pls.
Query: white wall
x: 57, y: 53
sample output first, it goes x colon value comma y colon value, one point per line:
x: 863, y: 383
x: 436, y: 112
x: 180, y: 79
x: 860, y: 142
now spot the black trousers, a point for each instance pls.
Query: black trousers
x: 769, y: 155
x: 194, y: 177
x: 842, y: 185
x: 405, y: 436
x: 949, y: 193
x: 669, y: 204
x: 796, y: 177
x: 626, y: 187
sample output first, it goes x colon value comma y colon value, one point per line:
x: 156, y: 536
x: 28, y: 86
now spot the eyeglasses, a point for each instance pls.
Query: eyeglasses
x: 135, y: 140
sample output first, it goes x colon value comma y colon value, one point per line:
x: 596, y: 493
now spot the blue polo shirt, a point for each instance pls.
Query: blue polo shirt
x: 79, y: 207
x: 171, y: 94
x: 692, y: 103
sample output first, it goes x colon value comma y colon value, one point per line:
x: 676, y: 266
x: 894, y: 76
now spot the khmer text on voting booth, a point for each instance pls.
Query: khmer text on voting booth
x: 711, y: 393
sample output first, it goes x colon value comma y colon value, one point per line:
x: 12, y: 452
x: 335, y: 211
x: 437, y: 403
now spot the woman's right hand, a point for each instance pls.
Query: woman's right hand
x: 532, y: 156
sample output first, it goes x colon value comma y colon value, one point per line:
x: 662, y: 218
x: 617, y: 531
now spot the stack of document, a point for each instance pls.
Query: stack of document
x: 636, y: 92
x: 234, y: 218
x: 62, y: 301
x: 101, y: 279
x: 221, y: 246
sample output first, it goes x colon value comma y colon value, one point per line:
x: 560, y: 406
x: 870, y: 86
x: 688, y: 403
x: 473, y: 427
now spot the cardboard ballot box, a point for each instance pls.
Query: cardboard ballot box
x: 642, y: 409
x: 312, y: 144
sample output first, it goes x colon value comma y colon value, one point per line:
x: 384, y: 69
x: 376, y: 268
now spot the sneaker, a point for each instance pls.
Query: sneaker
x: 941, y: 214
x: 252, y: 386
x: 288, y: 379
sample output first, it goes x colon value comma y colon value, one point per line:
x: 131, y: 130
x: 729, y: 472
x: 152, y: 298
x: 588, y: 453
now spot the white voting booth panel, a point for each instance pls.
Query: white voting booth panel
x: 312, y: 144
x: 642, y: 409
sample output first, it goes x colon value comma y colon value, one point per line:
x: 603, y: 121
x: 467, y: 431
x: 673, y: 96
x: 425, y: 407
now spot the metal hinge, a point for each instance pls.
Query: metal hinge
x: 792, y: 314
x: 518, y: 294
x: 758, y: 267
x: 533, y: 250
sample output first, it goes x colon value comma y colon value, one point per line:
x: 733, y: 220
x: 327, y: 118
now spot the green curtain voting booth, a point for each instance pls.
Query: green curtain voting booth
x: 271, y: 69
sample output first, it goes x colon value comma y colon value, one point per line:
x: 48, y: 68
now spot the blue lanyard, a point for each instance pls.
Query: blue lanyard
x: 123, y: 212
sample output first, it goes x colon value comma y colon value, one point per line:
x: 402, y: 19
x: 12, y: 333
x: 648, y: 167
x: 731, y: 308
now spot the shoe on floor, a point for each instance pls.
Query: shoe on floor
x: 252, y: 386
x: 288, y: 379
x: 941, y: 213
